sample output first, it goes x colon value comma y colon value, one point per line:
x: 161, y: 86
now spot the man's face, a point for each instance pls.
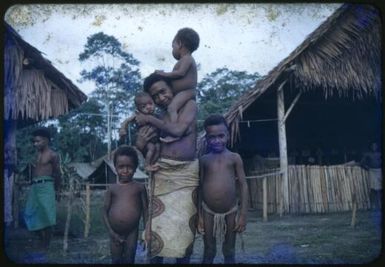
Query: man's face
x: 39, y: 142
x: 161, y: 94
x: 216, y: 137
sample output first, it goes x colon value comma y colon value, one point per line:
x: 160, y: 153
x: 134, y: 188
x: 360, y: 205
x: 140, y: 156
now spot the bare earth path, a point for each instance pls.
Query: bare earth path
x: 320, y: 239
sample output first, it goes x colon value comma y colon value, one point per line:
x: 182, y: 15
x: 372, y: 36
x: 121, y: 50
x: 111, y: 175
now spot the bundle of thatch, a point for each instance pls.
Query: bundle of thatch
x: 34, y: 88
x: 342, y: 56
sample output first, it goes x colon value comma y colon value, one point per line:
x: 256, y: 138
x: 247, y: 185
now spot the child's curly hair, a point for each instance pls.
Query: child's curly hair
x: 189, y: 38
x: 125, y: 150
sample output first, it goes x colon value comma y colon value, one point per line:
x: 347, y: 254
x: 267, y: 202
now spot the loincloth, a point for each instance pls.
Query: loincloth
x: 375, y: 178
x: 220, y: 227
x: 40, y: 209
x: 174, y: 209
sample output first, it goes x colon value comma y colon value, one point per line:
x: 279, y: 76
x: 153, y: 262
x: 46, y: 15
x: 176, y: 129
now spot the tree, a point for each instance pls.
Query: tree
x: 82, y: 132
x: 115, y: 74
x: 218, y: 90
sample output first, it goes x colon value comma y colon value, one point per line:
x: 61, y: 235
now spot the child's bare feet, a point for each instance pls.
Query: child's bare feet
x: 169, y: 139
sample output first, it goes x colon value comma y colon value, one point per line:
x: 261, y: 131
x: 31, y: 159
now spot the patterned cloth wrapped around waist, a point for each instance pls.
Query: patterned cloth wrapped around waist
x: 174, y: 210
x: 174, y: 175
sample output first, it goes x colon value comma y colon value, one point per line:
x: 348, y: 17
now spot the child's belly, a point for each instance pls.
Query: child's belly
x: 219, y: 199
x: 124, y: 220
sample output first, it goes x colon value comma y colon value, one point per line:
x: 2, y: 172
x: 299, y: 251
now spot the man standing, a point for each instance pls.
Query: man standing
x: 174, y: 198
x: 40, y: 210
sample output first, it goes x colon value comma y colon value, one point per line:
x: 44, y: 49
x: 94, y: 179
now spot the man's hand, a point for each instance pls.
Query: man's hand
x: 159, y: 72
x: 141, y: 119
x: 143, y: 136
x: 57, y: 196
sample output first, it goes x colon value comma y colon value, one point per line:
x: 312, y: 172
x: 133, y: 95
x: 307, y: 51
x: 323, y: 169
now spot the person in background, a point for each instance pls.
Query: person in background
x: 40, y: 209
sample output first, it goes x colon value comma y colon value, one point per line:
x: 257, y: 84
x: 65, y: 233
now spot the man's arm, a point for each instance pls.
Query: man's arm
x: 200, y: 226
x: 143, y: 136
x: 56, y: 172
x: 240, y: 173
x: 144, y: 204
x: 186, y: 117
x: 181, y: 69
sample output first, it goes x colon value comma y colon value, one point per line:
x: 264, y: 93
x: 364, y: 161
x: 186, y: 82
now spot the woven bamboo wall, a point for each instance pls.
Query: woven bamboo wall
x: 314, y: 189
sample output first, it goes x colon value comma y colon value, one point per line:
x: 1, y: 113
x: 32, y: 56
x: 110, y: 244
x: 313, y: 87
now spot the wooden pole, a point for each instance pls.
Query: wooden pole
x: 283, y: 147
x: 16, y: 190
x: 69, y: 214
x: 264, y: 193
x: 87, y: 223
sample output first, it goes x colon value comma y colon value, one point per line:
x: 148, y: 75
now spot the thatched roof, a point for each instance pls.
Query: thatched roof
x: 342, y: 57
x: 34, y: 88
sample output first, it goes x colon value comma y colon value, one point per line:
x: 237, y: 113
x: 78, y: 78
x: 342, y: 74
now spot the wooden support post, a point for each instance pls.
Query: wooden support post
x: 283, y: 147
x: 69, y: 214
x: 87, y: 222
x: 354, y: 211
x: 264, y: 193
x: 354, y: 202
x: 291, y: 106
x: 16, y: 210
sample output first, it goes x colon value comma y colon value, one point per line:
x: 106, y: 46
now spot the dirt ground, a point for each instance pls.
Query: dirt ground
x: 310, y: 239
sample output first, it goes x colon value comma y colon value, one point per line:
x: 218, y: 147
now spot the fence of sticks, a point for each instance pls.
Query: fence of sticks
x: 312, y: 189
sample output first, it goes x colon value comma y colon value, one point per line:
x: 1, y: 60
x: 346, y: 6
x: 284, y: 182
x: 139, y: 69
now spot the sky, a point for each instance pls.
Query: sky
x: 241, y: 37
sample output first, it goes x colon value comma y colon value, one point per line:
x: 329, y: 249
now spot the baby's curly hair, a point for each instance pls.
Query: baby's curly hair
x: 125, y: 150
x: 189, y: 38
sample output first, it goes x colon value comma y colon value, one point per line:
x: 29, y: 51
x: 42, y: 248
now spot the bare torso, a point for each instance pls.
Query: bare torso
x: 44, y: 163
x: 183, y: 149
x: 125, y: 207
x: 189, y: 81
x: 219, y: 181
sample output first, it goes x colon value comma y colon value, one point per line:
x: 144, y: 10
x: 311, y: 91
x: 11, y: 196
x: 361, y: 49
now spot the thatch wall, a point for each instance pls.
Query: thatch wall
x: 34, y: 88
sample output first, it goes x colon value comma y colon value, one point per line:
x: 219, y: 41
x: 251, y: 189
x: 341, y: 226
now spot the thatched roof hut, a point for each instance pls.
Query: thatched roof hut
x: 324, y: 98
x: 336, y: 76
x: 34, y: 88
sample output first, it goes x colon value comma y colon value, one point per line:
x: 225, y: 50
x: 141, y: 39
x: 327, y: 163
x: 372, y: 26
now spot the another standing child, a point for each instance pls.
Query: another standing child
x: 220, y: 172
x: 184, y: 74
x: 124, y: 204
x: 145, y: 105
x: 40, y: 210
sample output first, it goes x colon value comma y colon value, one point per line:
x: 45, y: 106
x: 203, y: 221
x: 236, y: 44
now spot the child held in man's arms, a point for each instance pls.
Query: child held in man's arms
x: 145, y: 105
x: 220, y: 172
x: 124, y: 204
x: 184, y: 74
